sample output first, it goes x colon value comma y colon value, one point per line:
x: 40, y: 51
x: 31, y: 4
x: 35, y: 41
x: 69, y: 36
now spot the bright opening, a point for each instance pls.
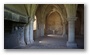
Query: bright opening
x: 35, y: 23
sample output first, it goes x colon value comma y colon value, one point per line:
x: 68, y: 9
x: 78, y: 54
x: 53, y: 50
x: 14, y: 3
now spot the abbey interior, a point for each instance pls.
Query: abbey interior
x: 43, y: 26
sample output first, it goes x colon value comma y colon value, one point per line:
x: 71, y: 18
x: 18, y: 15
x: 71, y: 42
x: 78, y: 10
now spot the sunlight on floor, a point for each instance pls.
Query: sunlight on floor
x: 53, y: 35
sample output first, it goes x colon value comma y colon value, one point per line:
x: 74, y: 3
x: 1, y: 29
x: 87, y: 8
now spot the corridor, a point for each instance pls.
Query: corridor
x: 50, y: 42
x: 43, y: 26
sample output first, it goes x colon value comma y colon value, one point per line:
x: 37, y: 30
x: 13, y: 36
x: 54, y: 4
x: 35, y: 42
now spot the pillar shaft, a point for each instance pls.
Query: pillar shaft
x: 42, y: 29
x: 37, y: 31
x: 31, y: 31
x: 21, y: 35
x: 27, y: 34
x: 64, y: 31
x: 71, y: 33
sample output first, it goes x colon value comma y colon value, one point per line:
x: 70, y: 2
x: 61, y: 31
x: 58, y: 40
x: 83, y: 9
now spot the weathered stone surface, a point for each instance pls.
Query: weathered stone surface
x: 15, y: 17
x: 79, y: 25
x: 14, y: 37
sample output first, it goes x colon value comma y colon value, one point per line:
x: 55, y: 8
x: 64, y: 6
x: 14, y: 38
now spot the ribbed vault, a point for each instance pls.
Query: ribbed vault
x: 23, y: 9
x: 55, y: 19
x: 46, y: 9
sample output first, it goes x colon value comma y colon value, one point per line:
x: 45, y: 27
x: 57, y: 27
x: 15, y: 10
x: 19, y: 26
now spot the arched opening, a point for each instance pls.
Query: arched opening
x: 35, y: 23
x: 53, y: 24
x: 43, y: 26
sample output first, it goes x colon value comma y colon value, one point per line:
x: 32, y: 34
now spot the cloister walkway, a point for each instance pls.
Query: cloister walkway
x: 50, y: 42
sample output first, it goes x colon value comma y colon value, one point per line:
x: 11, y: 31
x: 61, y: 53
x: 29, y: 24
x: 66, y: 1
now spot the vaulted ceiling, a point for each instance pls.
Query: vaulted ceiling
x: 23, y: 9
x: 27, y: 9
x: 43, y: 9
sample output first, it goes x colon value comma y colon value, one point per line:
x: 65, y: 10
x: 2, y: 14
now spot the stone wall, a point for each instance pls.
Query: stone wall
x: 9, y: 15
x: 13, y: 34
x: 79, y: 25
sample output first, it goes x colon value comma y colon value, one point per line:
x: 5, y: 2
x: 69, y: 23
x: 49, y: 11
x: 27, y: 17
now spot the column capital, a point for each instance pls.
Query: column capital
x: 72, y: 18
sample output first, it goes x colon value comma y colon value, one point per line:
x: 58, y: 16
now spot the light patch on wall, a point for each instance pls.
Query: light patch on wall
x: 35, y: 23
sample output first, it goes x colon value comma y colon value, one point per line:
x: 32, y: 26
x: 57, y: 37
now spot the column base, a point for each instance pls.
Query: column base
x: 71, y: 44
x: 31, y: 41
x: 28, y: 43
x: 22, y: 44
x: 64, y: 35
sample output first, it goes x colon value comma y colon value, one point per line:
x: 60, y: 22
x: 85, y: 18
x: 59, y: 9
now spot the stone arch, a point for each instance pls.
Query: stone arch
x: 44, y: 9
x: 60, y: 9
x: 53, y: 22
x: 62, y: 13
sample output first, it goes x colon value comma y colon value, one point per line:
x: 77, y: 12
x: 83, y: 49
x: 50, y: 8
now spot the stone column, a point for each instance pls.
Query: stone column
x: 71, y: 33
x: 31, y: 31
x: 64, y: 30
x: 42, y: 30
x: 27, y: 34
x: 37, y: 31
x: 21, y: 36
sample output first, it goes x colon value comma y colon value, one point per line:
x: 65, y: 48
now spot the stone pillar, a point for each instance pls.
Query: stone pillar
x: 27, y: 34
x: 37, y: 30
x: 42, y: 30
x: 64, y: 30
x: 21, y: 36
x: 31, y: 31
x: 71, y: 33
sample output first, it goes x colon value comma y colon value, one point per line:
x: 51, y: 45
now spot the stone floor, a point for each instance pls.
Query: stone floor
x: 50, y: 42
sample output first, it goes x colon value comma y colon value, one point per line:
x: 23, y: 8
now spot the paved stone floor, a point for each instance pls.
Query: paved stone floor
x: 49, y: 42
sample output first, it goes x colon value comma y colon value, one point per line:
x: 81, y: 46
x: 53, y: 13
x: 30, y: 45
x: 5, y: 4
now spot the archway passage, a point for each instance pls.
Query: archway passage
x: 54, y: 24
x: 50, y: 18
x: 56, y: 20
